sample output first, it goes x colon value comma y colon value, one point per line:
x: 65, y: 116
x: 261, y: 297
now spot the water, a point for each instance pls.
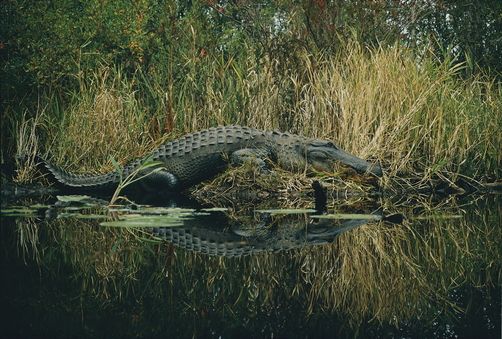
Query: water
x: 73, y: 268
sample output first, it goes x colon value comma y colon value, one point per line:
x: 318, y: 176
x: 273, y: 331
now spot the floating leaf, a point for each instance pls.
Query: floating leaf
x: 73, y: 198
x: 215, y: 209
x: 342, y: 216
x: 18, y: 212
x: 146, y: 221
x: 164, y: 210
x: 75, y: 208
x: 287, y: 211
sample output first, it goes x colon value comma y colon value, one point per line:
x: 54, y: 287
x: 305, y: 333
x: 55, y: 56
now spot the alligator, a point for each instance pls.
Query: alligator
x: 193, y: 158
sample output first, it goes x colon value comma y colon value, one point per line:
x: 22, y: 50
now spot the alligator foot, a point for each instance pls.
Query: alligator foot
x: 253, y: 156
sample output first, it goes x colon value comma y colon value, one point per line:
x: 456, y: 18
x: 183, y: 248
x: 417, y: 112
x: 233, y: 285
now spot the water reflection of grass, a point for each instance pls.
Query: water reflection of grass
x: 395, y: 273
x: 387, y: 273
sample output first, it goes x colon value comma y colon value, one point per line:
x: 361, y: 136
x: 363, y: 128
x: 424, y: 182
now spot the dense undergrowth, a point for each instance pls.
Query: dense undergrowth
x: 115, y: 90
x: 417, y: 118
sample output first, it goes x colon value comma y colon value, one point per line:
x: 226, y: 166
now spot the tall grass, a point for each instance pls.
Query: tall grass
x: 411, y: 116
x: 415, y: 116
x: 103, y: 120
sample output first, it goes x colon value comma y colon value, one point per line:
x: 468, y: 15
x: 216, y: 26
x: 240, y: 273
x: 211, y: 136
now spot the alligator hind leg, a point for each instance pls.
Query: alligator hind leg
x: 157, y: 181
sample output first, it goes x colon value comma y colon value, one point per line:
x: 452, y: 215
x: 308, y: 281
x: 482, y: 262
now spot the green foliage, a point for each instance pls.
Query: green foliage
x: 53, y: 41
x: 133, y: 71
x: 46, y: 44
x: 470, y: 30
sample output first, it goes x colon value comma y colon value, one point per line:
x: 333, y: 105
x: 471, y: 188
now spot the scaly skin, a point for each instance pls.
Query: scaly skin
x: 198, y: 156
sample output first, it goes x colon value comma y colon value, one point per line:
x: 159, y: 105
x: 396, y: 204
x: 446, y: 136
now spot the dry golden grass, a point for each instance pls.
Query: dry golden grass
x: 27, y: 147
x: 418, y: 118
x: 106, y: 121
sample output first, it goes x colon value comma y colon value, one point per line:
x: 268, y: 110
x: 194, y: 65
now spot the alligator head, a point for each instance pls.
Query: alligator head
x: 322, y: 155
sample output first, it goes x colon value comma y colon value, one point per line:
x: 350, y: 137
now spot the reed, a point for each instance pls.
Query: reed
x: 419, y: 118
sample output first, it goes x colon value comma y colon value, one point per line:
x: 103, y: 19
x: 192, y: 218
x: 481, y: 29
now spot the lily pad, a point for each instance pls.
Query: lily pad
x: 164, y: 210
x: 287, y: 211
x: 141, y: 221
x: 73, y: 198
x: 215, y: 209
x: 18, y: 212
x: 76, y: 208
x: 342, y: 216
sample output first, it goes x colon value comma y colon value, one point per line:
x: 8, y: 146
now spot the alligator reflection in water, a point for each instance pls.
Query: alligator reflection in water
x: 212, y: 231
x: 238, y: 241
x: 420, y: 275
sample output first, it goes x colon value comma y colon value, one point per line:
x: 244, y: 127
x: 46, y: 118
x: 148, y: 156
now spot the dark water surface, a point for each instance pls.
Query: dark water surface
x: 75, y: 269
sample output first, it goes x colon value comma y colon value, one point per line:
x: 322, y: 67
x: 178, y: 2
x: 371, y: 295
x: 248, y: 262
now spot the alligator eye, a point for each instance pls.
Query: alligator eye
x: 331, y: 145
x: 322, y: 143
x: 318, y: 155
x: 319, y: 143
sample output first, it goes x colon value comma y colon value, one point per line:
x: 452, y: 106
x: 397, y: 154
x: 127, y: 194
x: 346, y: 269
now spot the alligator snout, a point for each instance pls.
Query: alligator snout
x: 323, y: 158
x: 359, y: 164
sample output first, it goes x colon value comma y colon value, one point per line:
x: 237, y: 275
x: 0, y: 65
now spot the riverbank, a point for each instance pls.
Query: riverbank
x: 419, y: 119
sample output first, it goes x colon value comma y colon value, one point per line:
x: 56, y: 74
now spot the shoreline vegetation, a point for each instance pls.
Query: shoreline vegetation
x: 422, y: 122
x: 415, y: 86
x: 425, y: 117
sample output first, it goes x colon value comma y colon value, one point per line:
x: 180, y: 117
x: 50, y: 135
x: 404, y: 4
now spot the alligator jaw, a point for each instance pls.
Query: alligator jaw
x: 357, y: 163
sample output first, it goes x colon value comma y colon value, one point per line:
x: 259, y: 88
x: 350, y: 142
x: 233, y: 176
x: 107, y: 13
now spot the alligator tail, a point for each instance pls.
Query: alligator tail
x: 66, y: 179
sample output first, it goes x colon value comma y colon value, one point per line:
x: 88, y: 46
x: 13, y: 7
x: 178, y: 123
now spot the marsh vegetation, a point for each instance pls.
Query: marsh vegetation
x: 414, y: 87
x: 421, y: 113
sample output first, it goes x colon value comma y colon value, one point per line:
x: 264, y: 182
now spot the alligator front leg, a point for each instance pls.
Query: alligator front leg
x: 250, y: 155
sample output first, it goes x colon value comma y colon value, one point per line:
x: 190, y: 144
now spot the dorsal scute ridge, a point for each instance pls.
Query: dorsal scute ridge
x: 209, y: 137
